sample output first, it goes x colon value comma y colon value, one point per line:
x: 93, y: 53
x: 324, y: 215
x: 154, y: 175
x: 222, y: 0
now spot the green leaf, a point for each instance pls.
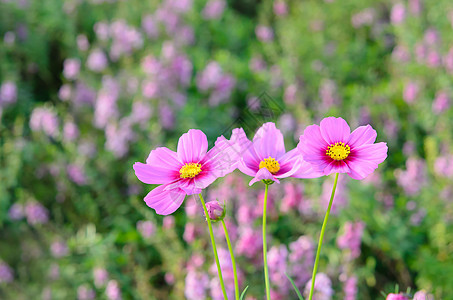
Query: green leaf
x: 243, y: 292
x: 295, y: 287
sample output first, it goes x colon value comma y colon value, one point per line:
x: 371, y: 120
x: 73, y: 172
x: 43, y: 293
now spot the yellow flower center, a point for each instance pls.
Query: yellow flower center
x: 338, y: 151
x: 270, y: 164
x: 190, y: 170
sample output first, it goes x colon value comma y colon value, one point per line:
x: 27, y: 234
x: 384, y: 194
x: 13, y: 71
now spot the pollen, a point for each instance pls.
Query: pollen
x: 338, y: 151
x: 190, y: 170
x: 270, y: 164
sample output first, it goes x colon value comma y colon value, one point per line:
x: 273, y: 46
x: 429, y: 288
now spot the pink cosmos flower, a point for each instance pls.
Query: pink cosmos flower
x: 332, y: 148
x: 187, y: 171
x: 266, y: 158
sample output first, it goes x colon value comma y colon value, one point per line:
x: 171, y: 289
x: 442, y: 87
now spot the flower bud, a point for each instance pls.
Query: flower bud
x: 396, y: 297
x: 216, y: 212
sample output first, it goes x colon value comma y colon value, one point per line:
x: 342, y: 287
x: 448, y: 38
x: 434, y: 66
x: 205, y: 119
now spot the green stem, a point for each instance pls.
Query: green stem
x: 323, y: 229
x: 233, y: 261
x: 214, y: 248
x: 266, y: 271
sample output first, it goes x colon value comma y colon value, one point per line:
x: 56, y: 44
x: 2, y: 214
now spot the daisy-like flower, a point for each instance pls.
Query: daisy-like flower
x: 266, y: 158
x: 187, y: 171
x: 332, y: 148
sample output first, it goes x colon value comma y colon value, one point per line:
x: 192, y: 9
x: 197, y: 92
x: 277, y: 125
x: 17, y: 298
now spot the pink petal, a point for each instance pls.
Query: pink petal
x: 164, y: 201
x: 313, y: 147
x: 336, y: 166
x: 288, y: 163
x: 268, y: 142
x: 185, y: 184
x: 366, y: 159
x: 221, y: 160
x: 362, y: 135
x: 249, y: 161
x: 165, y: 158
x: 374, y: 152
x: 305, y: 170
x: 263, y: 173
x: 312, y: 142
x: 192, y: 146
x: 335, y: 130
x: 155, y: 174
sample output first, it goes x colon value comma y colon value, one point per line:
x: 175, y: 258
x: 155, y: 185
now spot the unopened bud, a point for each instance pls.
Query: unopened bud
x: 216, y: 212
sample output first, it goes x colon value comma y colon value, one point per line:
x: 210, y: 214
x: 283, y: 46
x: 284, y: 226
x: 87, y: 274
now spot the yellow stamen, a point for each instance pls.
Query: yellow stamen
x: 271, y: 164
x: 190, y: 170
x: 338, y: 151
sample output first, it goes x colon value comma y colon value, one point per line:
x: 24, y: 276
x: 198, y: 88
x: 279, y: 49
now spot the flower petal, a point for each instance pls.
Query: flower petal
x: 335, y: 130
x: 192, y: 146
x: 365, y: 159
x: 313, y: 147
x: 249, y: 161
x: 221, y: 160
x: 288, y: 163
x: 263, y: 173
x: 164, y: 201
x: 268, y: 142
x: 154, y: 174
x: 165, y: 158
x: 305, y: 170
x: 336, y: 166
x: 362, y: 135
x: 185, y: 184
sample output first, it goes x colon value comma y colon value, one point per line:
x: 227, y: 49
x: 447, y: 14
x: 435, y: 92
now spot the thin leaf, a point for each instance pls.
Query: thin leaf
x: 243, y: 293
x: 295, y: 287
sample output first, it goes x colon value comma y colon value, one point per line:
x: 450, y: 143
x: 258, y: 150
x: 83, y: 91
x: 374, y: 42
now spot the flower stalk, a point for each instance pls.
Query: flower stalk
x: 214, y: 248
x: 233, y: 262
x: 266, y: 270
x: 323, y: 229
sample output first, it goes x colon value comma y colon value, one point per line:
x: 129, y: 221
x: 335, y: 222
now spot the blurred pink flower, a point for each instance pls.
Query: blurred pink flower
x: 71, y: 68
x: 410, y: 92
x: 100, y: 277
x: 423, y: 295
x: 146, y: 229
x: 280, y: 8
x: 59, y: 249
x: 196, y: 285
x: 351, y: 238
x: 16, y: 211
x: 414, y: 178
x: 150, y: 26
x: 112, y: 291
x: 350, y: 288
x: 301, y: 259
x: 8, y: 93
x: 85, y: 293
x: 97, y: 61
x: 36, y: 213
x: 398, y: 13
x: 448, y: 61
x: 82, y: 42
x: 70, y: 131
x: 323, y: 287
x: 441, y: 102
x: 332, y: 148
x: 6, y: 273
x: 277, y: 259
x: 415, y: 7
x: 264, y: 33
x: 213, y: 9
